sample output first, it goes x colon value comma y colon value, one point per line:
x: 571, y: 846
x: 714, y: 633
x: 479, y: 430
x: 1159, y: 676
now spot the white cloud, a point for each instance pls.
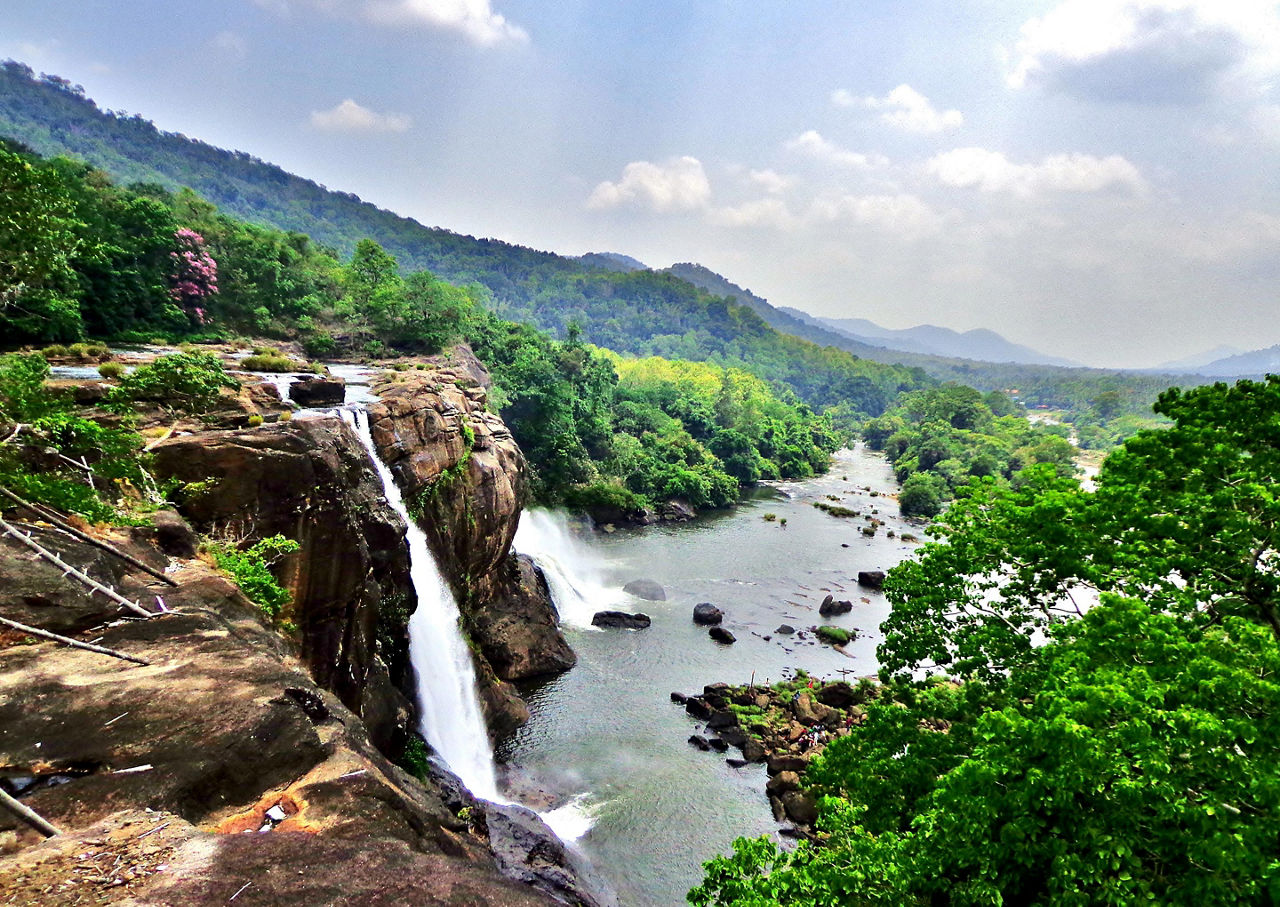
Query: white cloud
x: 991, y: 171
x: 1148, y: 50
x: 906, y: 216
x: 903, y: 108
x: 351, y: 117
x: 813, y: 145
x: 770, y: 181
x: 764, y: 212
x: 230, y: 43
x: 679, y: 184
x: 474, y: 18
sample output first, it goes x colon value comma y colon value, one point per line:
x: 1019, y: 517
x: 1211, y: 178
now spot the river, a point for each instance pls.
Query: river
x: 608, y: 726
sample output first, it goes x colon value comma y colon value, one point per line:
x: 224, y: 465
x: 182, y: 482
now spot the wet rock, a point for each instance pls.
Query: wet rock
x: 753, y: 750
x: 700, y: 742
x: 527, y: 851
x: 318, y: 390
x: 698, y: 708
x: 779, y: 811
x: 800, y: 807
x: 718, y: 744
x: 872, y: 579
x: 722, y: 636
x: 679, y: 698
x: 620, y: 620
x: 647, y: 589
x: 736, y: 763
x: 832, y: 608
x: 676, y: 511
x: 716, y: 694
x: 838, y: 694
x: 707, y: 614
x: 782, y: 782
x: 734, y: 736
x: 519, y: 634
x: 720, y: 720
x: 785, y: 630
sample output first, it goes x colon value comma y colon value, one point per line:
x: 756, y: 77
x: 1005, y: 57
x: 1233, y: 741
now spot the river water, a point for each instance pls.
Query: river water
x: 608, y: 726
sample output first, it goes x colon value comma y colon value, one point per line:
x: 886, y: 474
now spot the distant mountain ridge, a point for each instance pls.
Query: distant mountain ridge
x: 1201, y: 359
x: 1250, y: 364
x: 980, y: 344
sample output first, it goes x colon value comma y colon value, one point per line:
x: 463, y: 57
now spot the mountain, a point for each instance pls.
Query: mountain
x: 613, y: 261
x: 1200, y: 360
x: 979, y: 343
x: 1257, y: 362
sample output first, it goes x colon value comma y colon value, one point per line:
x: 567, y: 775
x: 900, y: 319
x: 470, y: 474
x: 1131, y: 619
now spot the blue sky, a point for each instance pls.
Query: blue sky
x: 1096, y: 178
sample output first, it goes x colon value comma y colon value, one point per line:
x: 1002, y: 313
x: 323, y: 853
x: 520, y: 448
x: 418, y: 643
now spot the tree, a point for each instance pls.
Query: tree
x: 194, y: 277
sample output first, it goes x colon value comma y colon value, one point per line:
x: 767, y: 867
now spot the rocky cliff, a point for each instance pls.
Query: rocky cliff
x: 216, y: 770
x: 465, y: 480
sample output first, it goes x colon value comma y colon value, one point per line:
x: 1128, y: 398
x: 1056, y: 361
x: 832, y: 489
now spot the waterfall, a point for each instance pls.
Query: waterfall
x: 574, y: 572
x: 446, y: 689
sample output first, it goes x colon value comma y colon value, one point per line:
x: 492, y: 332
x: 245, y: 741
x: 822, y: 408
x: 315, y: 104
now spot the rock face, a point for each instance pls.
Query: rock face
x: 310, y: 480
x: 318, y: 391
x: 221, y: 733
x: 464, y: 479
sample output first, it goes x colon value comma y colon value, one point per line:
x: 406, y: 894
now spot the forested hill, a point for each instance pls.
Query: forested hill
x: 642, y: 312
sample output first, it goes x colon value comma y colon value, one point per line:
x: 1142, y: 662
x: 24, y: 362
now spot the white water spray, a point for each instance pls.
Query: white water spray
x: 574, y: 572
x: 451, y: 718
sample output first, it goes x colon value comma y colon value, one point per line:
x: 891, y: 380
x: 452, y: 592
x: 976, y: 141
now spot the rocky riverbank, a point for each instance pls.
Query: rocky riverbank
x: 784, y: 726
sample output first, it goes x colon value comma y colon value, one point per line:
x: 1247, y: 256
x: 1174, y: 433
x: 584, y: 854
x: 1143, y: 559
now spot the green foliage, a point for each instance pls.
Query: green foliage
x: 111, y: 370
x: 190, y: 382
x: 921, y: 495
x: 837, y: 636
x: 1130, y: 758
x: 251, y: 569
x: 270, y: 363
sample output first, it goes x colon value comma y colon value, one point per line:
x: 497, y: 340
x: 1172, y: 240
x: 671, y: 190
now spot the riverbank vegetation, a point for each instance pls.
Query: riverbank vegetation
x: 942, y: 439
x: 1133, y: 756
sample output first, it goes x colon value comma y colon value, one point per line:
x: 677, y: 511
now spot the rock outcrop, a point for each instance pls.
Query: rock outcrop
x: 310, y: 480
x: 465, y: 480
x: 152, y: 772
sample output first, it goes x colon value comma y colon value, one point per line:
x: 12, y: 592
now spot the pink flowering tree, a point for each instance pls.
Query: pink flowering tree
x: 194, y: 277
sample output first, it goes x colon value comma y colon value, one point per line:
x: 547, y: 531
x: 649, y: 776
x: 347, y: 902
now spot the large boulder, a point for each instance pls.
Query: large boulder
x: 707, y: 614
x: 647, y: 589
x: 872, y: 579
x: 317, y: 390
x: 519, y: 635
x: 620, y: 620
x: 832, y: 608
x: 722, y: 636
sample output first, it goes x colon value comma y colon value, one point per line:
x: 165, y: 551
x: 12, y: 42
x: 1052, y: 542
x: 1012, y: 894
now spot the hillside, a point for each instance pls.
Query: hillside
x: 640, y: 312
x: 930, y: 339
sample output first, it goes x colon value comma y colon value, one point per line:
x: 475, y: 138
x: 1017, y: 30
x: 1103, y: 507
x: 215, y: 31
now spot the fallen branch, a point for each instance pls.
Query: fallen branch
x: 85, y: 537
x: 68, y: 641
x: 72, y: 571
x: 27, y: 814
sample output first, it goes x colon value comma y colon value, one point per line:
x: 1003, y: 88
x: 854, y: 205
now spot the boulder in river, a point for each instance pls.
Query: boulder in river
x: 697, y: 741
x: 620, y: 620
x: 647, y: 589
x: 872, y: 579
x: 830, y: 607
x: 720, y: 720
x: 721, y: 635
x: 707, y: 614
x: 785, y: 630
x: 316, y: 390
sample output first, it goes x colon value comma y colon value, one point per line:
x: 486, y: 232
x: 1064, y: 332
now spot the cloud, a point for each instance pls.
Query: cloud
x: 476, y: 19
x: 351, y: 117
x: 770, y: 181
x: 991, y: 171
x: 679, y: 184
x: 473, y: 18
x: 230, y: 43
x: 764, y: 212
x: 815, y: 146
x: 1152, y: 51
x: 904, y: 108
x: 903, y: 215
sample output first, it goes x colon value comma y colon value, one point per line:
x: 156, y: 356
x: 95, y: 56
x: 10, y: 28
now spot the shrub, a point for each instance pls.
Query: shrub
x: 89, y: 351
x: 837, y: 636
x: 55, y: 351
x: 255, y: 420
x: 189, y: 381
x: 603, y: 496
x: 769, y: 517
x: 251, y: 569
x: 268, y: 362
x: 921, y: 495
x: 111, y: 370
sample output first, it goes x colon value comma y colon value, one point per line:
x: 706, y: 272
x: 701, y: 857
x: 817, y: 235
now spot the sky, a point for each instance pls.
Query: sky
x: 1095, y: 178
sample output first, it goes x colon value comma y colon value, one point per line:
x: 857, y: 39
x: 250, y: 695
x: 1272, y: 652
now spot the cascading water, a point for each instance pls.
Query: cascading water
x: 451, y: 718
x: 573, y: 571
